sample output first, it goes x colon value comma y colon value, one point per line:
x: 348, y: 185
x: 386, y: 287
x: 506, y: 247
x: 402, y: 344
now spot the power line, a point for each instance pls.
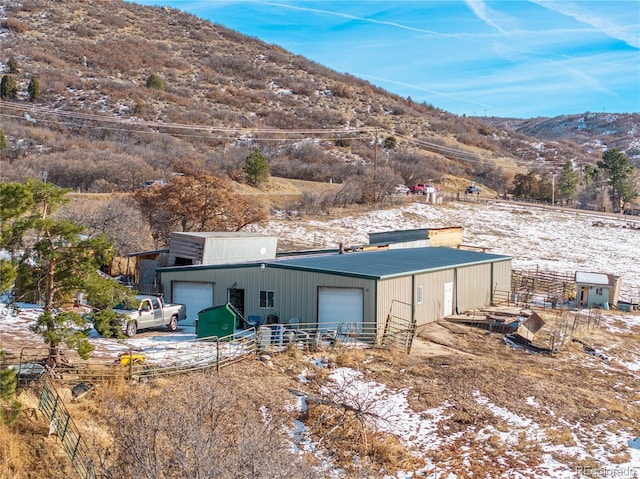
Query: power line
x: 228, y: 133
x: 34, y: 109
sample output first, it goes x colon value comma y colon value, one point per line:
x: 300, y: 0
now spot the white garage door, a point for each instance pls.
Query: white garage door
x: 196, y: 296
x: 339, y: 305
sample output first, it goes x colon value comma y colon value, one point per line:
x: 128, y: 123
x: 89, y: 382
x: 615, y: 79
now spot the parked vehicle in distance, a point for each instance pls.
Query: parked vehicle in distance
x: 401, y: 190
x: 423, y: 189
x: 471, y: 189
x: 149, y: 312
x: 154, y: 183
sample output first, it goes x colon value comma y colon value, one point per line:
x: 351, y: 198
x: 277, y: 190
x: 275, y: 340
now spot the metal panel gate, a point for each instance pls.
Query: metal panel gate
x: 61, y: 424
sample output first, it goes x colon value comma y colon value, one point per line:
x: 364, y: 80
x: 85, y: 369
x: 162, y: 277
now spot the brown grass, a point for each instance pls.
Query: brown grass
x: 560, y: 436
x: 570, y: 388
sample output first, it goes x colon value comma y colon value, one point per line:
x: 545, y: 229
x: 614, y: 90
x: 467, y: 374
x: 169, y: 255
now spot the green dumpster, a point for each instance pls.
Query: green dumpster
x: 217, y: 321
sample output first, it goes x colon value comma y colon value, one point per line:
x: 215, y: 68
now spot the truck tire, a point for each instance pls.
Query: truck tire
x: 173, y: 323
x: 131, y: 329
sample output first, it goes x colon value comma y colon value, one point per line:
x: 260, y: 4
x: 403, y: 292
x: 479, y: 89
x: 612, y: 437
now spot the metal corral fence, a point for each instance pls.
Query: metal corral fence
x: 63, y: 426
x: 173, y: 358
x: 399, y: 329
x: 555, y: 286
x: 278, y: 337
x: 179, y: 357
x: 569, y: 324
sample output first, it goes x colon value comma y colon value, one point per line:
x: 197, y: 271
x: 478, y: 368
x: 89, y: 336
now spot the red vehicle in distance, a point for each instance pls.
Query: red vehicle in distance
x: 423, y: 189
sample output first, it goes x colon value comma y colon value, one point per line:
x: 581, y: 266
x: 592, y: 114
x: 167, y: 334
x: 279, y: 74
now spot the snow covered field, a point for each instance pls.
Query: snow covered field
x: 550, y: 239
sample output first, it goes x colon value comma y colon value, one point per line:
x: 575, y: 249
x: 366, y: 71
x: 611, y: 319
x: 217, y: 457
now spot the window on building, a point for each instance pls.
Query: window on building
x: 266, y: 299
x: 599, y: 291
x: 420, y: 294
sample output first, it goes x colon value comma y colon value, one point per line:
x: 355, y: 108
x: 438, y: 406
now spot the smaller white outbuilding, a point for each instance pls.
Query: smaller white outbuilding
x: 596, y: 290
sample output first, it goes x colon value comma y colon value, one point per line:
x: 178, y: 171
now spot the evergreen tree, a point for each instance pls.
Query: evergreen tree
x: 256, y: 168
x: 8, y: 380
x: 567, y: 182
x: 588, y: 176
x: 60, y: 261
x: 8, y: 88
x: 34, y: 89
x: 619, y: 173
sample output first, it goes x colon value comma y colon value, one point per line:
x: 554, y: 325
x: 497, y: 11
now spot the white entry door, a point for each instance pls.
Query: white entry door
x: 447, y: 304
x: 339, y: 305
x: 196, y: 297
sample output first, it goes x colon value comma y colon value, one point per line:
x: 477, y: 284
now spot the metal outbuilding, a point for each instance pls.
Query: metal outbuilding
x: 449, y: 236
x: 421, y: 285
x: 188, y: 248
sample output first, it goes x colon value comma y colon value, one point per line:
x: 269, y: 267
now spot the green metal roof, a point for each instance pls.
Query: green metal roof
x: 368, y: 264
x: 387, y: 263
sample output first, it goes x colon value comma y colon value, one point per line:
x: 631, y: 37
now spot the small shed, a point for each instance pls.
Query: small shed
x: 217, y: 321
x: 596, y: 290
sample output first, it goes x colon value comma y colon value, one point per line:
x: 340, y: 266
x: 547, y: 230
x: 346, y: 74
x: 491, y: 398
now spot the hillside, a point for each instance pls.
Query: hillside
x: 96, y: 126
x: 594, y: 131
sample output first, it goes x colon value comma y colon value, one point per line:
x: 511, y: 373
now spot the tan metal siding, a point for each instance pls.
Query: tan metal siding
x: 393, y: 297
x: 502, y: 276
x: 432, y: 308
x: 473, y: 288
x: 395, y: 294
x: 295, y: 292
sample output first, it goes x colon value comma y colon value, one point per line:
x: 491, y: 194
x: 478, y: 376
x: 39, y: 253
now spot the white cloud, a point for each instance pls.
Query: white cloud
x: 487, y: 15
x: 601, y: 19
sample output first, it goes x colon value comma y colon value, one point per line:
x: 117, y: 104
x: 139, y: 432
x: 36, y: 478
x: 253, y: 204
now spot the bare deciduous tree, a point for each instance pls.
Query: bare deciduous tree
x: 211, y: 426
x: 197, y: 203
x: 119, y: 219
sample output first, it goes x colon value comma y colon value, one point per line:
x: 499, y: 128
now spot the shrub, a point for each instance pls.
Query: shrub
x: 342, y: 90
x: 155, y: 81
x: 34, y: 89
x: 390, y: 142
x: 13, y: 66
x: 8, y: 87
x: 16, y: 25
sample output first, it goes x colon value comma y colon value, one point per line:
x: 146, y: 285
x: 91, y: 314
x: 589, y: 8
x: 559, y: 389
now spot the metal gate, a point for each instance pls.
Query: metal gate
x: 61, y: 424
x: 399, y: 328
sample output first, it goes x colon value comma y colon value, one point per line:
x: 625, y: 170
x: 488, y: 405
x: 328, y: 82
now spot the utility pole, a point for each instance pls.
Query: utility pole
x: 553, y: 189
x: 375, y: 157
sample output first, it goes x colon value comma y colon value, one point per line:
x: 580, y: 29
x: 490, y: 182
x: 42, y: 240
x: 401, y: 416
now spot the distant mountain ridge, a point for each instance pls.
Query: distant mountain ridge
x: 594, y: 131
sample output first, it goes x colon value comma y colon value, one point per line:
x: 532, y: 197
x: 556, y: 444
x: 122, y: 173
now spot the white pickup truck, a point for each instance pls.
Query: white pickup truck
x: 150, y: 312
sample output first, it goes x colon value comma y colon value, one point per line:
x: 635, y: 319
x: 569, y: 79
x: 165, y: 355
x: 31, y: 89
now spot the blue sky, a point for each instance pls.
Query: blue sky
x: 507, y: 58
